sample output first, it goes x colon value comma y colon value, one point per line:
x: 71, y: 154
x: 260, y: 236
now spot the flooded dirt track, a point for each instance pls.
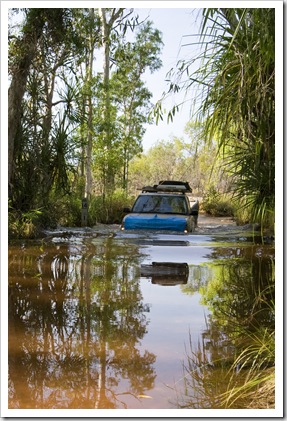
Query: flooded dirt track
x: 100, y: 318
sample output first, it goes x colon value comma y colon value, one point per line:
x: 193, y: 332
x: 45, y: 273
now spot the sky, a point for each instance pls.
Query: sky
x: 176, y: 25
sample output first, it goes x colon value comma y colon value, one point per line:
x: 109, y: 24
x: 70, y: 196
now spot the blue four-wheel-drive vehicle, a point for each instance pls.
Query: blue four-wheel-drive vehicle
x: 164, y: 206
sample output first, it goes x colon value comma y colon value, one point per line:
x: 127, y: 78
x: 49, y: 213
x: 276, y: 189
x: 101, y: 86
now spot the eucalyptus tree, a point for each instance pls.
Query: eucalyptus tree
x: 55, y: 103
x: 69, y: 112
x: 110, y: 19
x: 123, y: 97
x: 185, y: 158
x: 131, y: 96
x: 22, y: 52
x: 235, y: 72
x: 88, y: 28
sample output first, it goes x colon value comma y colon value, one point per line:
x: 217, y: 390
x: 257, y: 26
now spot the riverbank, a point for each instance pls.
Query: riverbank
x: 207, y: 224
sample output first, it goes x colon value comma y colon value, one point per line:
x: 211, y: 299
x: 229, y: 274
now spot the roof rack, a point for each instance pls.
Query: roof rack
x: 168, y: 186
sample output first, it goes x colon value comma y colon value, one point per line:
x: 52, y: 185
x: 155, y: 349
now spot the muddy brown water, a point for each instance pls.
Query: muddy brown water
x: 100, y: 318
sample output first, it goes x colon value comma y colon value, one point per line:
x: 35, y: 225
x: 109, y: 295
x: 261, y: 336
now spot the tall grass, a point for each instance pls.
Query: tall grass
x: 254, y: 366
x: 217, y: 382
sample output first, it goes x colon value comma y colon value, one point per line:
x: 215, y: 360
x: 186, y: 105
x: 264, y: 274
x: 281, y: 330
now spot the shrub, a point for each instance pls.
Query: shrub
x: 245, y: 212
x: 66, y: 211
x: 62, y: 210
x: 23, y: 224
x: 109, y: 209
x: 217, y: 204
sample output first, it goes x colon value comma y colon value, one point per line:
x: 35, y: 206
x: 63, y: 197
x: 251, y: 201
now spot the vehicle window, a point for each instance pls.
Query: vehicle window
x: 160, y: 204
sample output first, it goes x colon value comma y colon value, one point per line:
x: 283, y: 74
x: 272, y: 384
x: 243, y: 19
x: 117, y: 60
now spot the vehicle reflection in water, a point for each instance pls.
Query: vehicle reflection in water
x: 87, y: 331
x: 166, y: 273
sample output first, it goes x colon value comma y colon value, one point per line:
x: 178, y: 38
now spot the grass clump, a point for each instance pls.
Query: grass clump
x: 252, y: 383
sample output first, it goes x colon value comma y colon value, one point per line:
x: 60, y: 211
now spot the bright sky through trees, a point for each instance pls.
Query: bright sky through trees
x: 176, y: 25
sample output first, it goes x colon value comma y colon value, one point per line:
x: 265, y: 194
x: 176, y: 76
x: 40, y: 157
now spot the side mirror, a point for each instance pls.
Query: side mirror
x: 126, y: 210
x: 194, y: 207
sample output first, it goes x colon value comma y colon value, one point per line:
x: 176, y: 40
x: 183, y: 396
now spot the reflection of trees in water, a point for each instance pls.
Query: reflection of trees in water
x: 198, y: 277
x: 205, y: 371
x: 75, y: 321
x: 241, y: 298
x: 241, y: 292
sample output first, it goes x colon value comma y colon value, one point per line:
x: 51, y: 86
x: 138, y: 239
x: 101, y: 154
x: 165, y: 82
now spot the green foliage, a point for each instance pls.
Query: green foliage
x: 63, y: 129
x: 188, y: 158
x: 66, y: 210
x: 245, y: 122
x: 235, y: 119
x: 247, y: 382
x: 255, y: 366
x: 245, y: 212
x: 217, y: 204
x: 109, y: 209
x: 121, y: 128
x: 242, y: 213
x: 23, y: 224
x: 235, y: 72
x: 253, y: 177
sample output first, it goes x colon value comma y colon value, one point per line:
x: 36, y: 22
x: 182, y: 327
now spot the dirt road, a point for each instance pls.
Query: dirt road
x: 212, y: 224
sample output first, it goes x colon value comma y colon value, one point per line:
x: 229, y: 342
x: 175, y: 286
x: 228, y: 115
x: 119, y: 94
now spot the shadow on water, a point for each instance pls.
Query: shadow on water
x: 102, y: 319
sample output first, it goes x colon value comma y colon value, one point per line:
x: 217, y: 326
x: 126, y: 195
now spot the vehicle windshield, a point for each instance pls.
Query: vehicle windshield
x: 160, y: 204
